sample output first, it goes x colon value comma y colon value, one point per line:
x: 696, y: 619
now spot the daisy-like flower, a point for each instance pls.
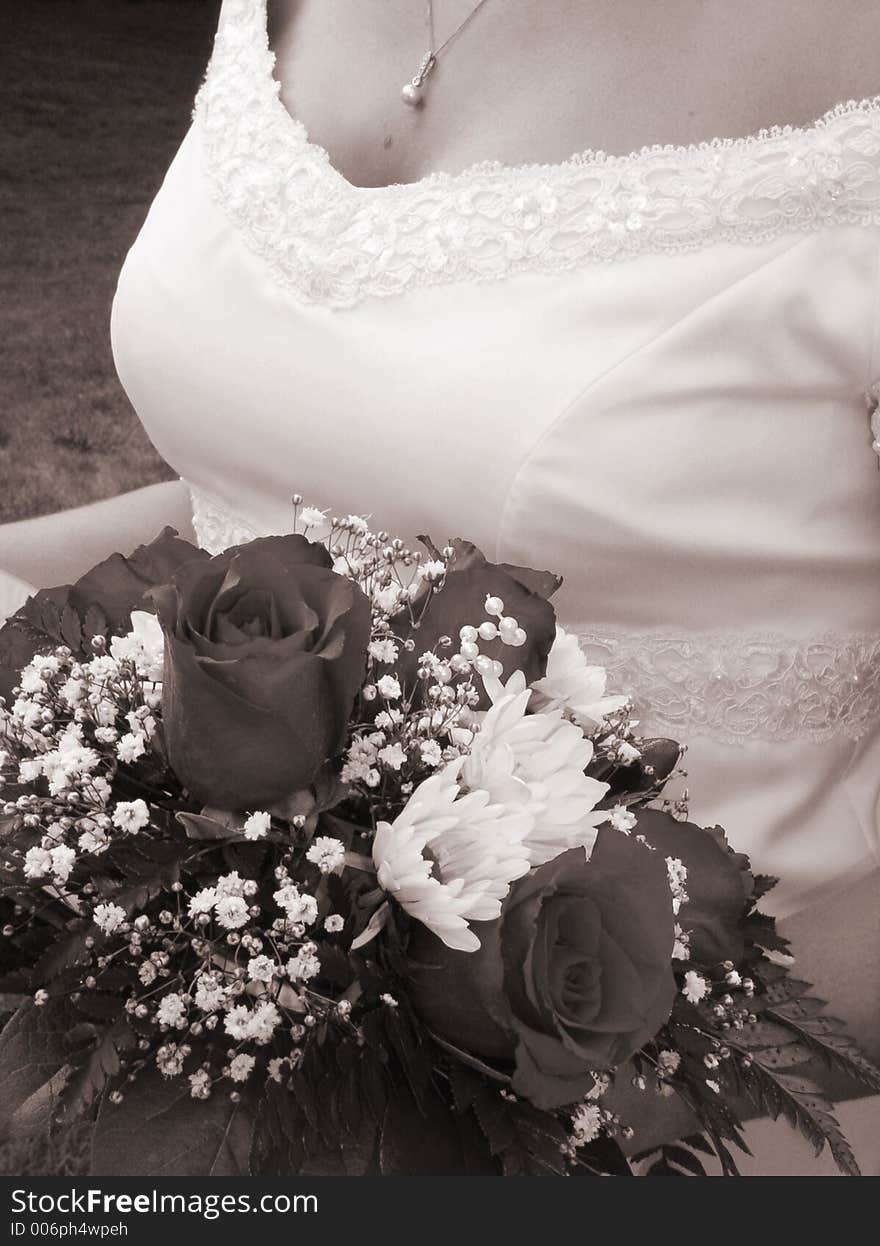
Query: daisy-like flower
x: 232, y: 912
x: 171, y: 1012
x: 131, y: 816
x: 200, y: 1084
x: 108, y: 917
x: 311, y: 517
x: 536, y: 762
x: 383, y: 651
x: 571, y: 684
x: 299, y: 909
x: 63, y: 861
x: 37, y: 863
x: 388, y: 687
x: 327, y: 853
x: 257, y: 826
x: 449, y: 858
x: 240, y: 1067
x: 260, y: 969
x: 210, y: 993
x: 203, y: 901
x: 695, y: 987
x: 131, y: 747
x: 305, y: 965
x: 622, y: 819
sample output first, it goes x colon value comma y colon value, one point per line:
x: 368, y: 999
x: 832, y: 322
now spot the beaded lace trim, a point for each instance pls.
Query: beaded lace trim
x: 732, y: 687
x: 328, y: 241
x: 217, y: 528
x: 737, y: 688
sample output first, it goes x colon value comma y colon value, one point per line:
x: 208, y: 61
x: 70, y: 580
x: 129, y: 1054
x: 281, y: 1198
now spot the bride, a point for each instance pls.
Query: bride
x: 389, y: 286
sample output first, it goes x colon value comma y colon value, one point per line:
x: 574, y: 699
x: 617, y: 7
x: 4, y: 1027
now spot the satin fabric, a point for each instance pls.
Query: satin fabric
x: 683, y: 436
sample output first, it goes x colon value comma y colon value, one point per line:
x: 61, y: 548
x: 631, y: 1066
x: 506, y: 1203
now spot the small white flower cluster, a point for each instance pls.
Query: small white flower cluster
x: 215, y: 965
x: 390, y: 574
x: 409, y: 741
x: 590, y: 1120
x: 676, y: 872
x: 65, y: 736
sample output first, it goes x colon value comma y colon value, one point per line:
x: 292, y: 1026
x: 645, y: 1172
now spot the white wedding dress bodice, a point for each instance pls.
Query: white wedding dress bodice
x: 648, y: 373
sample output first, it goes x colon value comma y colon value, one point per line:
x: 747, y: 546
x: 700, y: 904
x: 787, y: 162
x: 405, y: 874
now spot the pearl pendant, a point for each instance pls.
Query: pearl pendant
x: 413, y: 94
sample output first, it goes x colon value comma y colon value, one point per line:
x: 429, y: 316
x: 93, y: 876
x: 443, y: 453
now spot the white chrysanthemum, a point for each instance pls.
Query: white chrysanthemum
x: 449, y: 858
x: 536, y: 762
x: 571, y: 684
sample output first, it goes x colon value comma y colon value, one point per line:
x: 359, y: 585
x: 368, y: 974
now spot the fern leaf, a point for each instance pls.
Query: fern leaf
x: 803, y: 1105
x: 820, y: 1035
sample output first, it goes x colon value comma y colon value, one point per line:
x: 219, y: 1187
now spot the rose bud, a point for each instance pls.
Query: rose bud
x: 574, y: 977
x: 719, y: 884
x: 265, y: 651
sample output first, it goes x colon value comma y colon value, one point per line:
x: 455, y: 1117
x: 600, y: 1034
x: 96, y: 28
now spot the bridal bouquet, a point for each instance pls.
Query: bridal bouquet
x: 327, y: 856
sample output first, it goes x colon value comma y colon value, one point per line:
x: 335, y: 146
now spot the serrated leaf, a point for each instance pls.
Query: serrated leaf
x: 677, y: 1161
x: 71, y: 628
x: 100, y: 1065
x: 490, y: 1111
x: 821, y: 1035
x: 33, y: 1048
x: 198, y: 826
x: 805, y: 1108
x: 94, y: 624
x: 160, y: 1130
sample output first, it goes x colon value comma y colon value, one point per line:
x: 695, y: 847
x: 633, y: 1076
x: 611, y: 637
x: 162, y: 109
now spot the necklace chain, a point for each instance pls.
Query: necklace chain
x: 413, y: 92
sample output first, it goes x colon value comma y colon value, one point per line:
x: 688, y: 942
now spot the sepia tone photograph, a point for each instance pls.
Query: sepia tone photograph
x: 439, y: 595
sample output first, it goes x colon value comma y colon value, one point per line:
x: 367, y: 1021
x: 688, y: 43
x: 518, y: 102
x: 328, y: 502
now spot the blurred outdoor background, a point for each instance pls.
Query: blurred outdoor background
x: 95, y: 96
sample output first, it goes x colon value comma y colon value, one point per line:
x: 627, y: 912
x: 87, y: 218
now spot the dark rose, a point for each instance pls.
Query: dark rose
x: 574, y: 976
x: 719, y: 884
x: 265, y: 649
x: 100, y: 602
x: 469, y: 581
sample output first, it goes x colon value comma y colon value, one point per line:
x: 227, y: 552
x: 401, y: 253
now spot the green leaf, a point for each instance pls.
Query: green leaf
x: 100, y: 1065
x: 821, y: 1036
x: 198, y: 826
x: 676, y: 1161
x: 33, y: 1048
x: 159, y: 1130
x: 803, y: 1105
x: 71, y: 628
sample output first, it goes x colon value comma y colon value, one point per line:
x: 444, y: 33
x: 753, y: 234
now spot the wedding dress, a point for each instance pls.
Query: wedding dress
x: 648, y: 373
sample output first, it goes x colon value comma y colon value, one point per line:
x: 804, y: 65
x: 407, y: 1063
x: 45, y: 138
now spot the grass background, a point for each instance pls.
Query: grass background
x: 95, y: 96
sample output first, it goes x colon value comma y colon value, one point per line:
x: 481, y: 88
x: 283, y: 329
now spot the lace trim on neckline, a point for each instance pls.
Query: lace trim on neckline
x: 731, y: 686
x: 332, y: 242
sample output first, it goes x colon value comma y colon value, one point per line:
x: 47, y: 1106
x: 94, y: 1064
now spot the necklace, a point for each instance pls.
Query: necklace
x: 413, y: 92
